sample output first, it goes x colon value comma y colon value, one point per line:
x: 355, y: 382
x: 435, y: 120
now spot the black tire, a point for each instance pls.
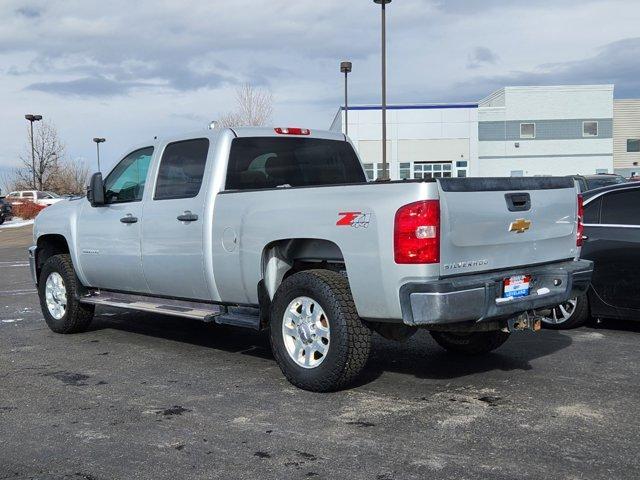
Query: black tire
x: 474, y: 343
x: 579, y: 316
x: 1, y: 219
x: 77, y: 316
x: 350, y: 336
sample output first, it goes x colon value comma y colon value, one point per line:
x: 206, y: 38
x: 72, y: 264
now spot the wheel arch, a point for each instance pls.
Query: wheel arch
x: 49, y: 245
x: 284, y: 257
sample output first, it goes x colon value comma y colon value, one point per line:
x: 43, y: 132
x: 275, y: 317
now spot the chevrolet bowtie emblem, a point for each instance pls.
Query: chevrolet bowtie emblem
x: 520, y: 225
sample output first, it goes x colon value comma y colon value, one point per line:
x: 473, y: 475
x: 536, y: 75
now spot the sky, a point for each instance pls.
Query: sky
x: 128, y: 70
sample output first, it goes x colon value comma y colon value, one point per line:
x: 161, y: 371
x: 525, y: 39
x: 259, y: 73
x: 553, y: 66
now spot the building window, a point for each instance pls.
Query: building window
x: 527, y: 130
x: 431, y: 170
x: 633, y: 145
x: 405, y: 170
x: 517, y: 173
x: 590, y: 129
x: 372, y: 170
x: 461, y: 164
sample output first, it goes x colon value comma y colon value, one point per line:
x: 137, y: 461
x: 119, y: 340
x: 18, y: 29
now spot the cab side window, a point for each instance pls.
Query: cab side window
x: 621, y: 208
x: 181, y: 169
x: 126, y: 181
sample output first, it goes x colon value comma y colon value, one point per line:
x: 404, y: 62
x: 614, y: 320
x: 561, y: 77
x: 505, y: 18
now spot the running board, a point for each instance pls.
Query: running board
x: 248, y: 317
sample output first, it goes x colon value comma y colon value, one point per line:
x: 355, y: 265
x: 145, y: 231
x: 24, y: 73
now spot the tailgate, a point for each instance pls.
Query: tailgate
x: 495, y: 223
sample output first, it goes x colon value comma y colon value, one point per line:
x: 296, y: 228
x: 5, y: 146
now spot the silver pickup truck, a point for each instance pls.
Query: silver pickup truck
x: 278, y: 229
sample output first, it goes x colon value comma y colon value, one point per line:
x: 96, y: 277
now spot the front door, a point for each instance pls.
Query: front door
x: 109, y: 235
x: 172, y: 229
x: 614, y: 245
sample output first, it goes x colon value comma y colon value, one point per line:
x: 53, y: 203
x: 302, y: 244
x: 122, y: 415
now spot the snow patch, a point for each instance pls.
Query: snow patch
x: 16, y: 222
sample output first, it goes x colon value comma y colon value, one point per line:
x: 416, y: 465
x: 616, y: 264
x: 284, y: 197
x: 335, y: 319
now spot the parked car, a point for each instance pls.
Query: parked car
x: 590, y: 182
x: 612, y: 242
x: 6, y: 213
x: 279, y: 229
x: 35, y: 196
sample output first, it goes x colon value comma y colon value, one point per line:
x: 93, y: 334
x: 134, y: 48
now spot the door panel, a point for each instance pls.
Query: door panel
x: 616, y: 253
x: 109, y: 250
x: 172, y: 250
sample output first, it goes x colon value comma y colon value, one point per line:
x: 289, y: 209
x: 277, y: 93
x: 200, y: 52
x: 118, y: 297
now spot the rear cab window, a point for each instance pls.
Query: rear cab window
x: 271, y: 162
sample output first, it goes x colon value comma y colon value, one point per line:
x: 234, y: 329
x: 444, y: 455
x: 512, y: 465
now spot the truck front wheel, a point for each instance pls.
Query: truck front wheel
x: 58, y: 289
x: 472, y: 343
x: 317, y: 337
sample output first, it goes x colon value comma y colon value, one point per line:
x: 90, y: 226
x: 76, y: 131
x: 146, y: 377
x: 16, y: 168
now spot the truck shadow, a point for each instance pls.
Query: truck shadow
x: 420, y: 356
x: 423, y: 358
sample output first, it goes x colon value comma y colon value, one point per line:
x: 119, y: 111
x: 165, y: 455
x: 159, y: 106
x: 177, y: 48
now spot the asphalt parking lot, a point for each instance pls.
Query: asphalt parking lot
x: 152, y: 397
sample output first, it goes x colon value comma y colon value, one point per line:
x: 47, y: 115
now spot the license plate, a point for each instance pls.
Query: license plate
x: 516, y: 286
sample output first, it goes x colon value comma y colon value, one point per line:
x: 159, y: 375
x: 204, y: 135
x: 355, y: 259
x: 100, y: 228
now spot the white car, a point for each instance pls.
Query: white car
x: 38, y: 197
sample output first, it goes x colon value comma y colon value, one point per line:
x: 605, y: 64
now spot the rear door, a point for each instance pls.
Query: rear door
x: 172, y: 246
x: 613, y: 244
x: 497, y: 223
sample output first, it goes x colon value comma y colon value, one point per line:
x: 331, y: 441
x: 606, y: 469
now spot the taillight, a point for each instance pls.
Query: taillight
x: 292, y: 131
x: 580, y: 229
x: 416, y: 234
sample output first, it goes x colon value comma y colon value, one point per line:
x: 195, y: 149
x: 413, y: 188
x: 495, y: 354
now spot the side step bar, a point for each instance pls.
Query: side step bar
x: 248, y: 317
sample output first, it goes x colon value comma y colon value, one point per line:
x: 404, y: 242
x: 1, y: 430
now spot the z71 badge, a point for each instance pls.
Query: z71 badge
x: 353, y: 219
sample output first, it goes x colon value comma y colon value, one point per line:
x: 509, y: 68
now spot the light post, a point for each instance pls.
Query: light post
x: 345, y: 67
x: 33, y: 118
x: 98, y: 142
x: 385, y: 170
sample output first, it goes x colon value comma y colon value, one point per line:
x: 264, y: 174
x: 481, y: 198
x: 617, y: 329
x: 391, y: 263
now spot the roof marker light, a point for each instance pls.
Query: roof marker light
x: 292, y: 131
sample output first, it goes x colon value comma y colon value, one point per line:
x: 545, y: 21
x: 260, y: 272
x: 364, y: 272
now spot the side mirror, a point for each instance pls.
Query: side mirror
x: 95, y: 190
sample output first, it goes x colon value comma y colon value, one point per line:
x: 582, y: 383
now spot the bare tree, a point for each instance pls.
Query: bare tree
x: 254, y: 107
x: 53, y: 171
x: 48, y: 153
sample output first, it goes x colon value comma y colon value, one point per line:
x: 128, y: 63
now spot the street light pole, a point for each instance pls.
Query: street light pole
x: 385, y: 170
x: 345, y: 67
x: 98, y: 142
x: 33, y: 118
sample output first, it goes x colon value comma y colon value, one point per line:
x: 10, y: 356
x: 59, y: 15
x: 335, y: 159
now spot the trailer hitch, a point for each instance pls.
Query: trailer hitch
x: 525, y: 321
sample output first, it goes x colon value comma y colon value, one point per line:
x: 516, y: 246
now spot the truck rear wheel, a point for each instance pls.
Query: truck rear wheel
x: 58, y: 289
x: 317, y: 337
x: 472, y: 343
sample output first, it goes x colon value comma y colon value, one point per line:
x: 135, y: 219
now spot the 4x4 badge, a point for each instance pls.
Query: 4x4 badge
x: 353, y: 219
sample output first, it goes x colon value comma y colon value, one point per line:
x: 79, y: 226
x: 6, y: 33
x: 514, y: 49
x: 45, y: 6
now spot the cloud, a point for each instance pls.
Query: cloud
x: 481, y: 56
x: 28, y: 12
x: 612, y: 64
x: 97, y: 86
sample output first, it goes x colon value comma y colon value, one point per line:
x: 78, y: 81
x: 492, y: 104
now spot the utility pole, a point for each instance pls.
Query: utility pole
x: 33, y: 118
x: 345, y: 67
x: 98, y: 142
x: 385, y: 169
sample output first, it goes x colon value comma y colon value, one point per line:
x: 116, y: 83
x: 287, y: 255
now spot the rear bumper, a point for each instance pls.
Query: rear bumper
x: 479, y: 297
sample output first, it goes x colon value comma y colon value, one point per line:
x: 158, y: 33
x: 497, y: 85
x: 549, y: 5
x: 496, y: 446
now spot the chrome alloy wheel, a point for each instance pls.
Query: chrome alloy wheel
x: 305, y: 330
x: 561, y: 313
x: 56, y: 295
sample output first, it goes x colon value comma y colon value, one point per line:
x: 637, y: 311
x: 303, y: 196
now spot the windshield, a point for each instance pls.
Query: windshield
x: 53, y: 195
x: 269, y: 162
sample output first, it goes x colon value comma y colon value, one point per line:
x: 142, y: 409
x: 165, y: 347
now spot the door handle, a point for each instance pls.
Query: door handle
x: 129, y: 219
x: 188, y: 217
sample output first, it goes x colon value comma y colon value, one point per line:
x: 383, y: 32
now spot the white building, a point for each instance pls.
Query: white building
x: 555, y: 130
x: 423, y: 141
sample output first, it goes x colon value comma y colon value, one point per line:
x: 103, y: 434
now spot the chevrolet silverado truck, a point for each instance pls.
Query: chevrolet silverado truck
x: 279, y: 229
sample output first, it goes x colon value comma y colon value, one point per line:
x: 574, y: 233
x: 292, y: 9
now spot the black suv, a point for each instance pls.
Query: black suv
x: 5, y: 211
